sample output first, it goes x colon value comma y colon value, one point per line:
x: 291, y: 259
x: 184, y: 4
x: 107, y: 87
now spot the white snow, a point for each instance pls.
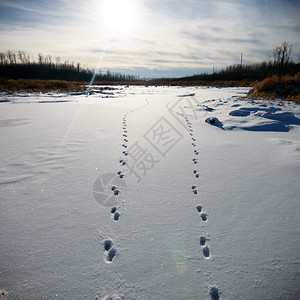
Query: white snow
x: 130, y: 194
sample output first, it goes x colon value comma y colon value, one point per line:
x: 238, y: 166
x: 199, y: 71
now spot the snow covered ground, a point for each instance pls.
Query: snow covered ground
x: 130, y: 194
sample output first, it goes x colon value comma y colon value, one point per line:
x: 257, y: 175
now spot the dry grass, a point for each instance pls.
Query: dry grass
x: 12, y: 86
x: 267, y: 84
x: 42, y: 86
x: 274, y: 87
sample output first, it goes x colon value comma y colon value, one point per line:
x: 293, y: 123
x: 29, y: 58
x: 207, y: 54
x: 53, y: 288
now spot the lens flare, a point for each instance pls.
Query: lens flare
x: 175, y: 243
x: 118, y: 16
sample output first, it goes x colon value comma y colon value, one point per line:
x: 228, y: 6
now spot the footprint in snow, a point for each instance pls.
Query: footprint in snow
x: 116, y: 216
x: 203, y: 216
x: 122, y: 162
x: 121, y: 175
x: 115, y: 191
x: 202, y: 241
x: 115, y: 213
x: 194, y: 189
x: 205, y: 248
x: 214, y: 293
x: 197, y: 175
x: 109, y: 251
x: 206, y: 252
x: 107, y: 245
x: 111, y: 255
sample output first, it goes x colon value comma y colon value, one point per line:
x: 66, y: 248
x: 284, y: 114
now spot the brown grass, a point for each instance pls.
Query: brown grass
x: 12, y: 86
x: 43, y: 86
x: 274, y: 87
x: 267, y: 84
x: 269, y: 88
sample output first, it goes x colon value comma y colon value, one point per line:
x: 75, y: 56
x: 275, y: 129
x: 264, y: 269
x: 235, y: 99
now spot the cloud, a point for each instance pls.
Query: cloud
x: 220, y: 39
x: 169, y: 35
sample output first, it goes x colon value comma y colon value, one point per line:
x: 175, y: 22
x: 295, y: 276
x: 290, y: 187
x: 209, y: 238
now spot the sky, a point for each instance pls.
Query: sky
x: 151, y: 38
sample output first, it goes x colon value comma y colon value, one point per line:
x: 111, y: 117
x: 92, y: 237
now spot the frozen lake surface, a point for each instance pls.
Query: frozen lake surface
x: 149, y: 193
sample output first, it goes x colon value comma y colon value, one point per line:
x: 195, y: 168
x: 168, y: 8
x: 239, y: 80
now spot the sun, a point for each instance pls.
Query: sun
x: 118, y: 16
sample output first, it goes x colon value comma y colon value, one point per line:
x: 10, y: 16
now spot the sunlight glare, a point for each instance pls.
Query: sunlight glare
x: 118, y: 15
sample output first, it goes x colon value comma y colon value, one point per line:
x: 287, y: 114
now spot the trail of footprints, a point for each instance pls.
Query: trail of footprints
x: 114, y: 211
x: 109, y: 251
x: 202, y: 214
x: 122, y: 160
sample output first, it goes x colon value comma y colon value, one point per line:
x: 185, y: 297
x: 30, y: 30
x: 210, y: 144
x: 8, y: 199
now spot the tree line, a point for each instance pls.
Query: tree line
x: 281, y: 64
x: 21, y: 65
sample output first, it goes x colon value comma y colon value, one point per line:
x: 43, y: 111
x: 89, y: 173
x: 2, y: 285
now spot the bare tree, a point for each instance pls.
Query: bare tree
x: 41, y: 58
x: 20, y: 56
x: 57, y: 62
x: 3, y: 60
x: 48, y: 59
x: 282, y: 56
x: 24, y: 58
x: 11, y: 57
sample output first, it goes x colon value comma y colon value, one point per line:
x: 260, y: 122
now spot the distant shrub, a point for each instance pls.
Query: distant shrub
x: 267, y: 84
x: 287, y: 86
x: 43, y: 86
